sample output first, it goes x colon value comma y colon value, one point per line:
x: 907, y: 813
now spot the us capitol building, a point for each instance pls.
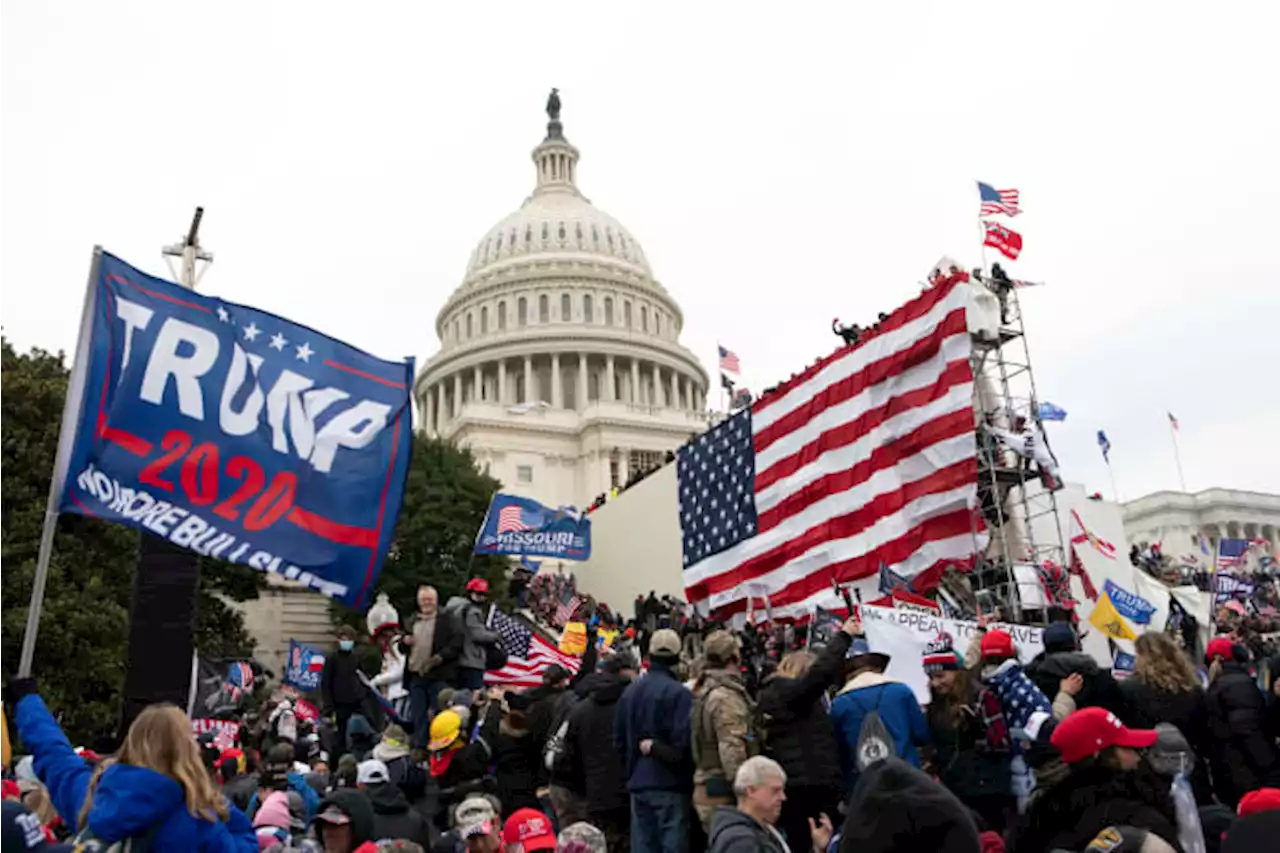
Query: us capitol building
x: 560, y: 364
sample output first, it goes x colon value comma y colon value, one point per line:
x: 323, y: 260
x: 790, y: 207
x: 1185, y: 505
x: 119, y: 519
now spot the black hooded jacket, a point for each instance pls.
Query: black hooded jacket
x: 798, y: 730
x: 590, y: 756
x: 357, y: 806
x: 1070, y: 813
x: 393, y: 817
x: 896, y: 807
x: 1242, y: 754
x: 1100, y: 689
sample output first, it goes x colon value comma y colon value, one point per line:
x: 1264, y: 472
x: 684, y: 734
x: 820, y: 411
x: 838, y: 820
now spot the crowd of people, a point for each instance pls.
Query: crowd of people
x: 692, y: 737
x: 636, y: 475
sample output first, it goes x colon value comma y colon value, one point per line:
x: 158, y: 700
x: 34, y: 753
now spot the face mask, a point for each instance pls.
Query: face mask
x: 346, y: 645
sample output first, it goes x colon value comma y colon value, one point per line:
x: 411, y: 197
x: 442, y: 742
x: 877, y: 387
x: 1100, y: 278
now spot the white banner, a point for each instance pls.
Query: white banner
x: 903, y: 635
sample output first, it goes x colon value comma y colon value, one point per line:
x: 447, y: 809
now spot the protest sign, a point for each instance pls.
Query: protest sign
x: 904, y: 634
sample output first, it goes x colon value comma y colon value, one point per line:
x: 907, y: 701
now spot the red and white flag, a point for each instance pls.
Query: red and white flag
x: 1081, y: 534
x: 1004, y: 240
x: 867, y: 457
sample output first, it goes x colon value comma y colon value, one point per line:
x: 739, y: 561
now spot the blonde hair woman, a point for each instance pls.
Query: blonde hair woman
x: 156, y: 787
x: 799, y: 735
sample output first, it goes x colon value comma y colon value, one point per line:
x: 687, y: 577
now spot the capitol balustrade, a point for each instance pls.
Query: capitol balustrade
x: 545, y: 415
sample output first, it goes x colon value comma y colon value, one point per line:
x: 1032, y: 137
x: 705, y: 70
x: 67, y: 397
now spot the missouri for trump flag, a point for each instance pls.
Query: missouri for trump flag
x: 866, y: 458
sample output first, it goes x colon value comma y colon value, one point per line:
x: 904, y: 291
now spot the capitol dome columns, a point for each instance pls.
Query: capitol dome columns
x: 557, y: 393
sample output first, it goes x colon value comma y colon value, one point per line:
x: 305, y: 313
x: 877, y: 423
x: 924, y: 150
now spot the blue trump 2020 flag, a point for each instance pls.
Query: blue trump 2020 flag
x: 235, y: 433
x: 522, y: 526
x: 1049, y: 412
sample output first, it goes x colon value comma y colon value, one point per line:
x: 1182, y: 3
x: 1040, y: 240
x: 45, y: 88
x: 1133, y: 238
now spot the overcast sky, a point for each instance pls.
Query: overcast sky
x: 778, y: 169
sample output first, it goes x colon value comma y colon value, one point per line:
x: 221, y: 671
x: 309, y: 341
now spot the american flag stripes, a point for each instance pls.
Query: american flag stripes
x: 1231, y: 553
x: 868, y: 457
x: 996, y: 201
x: 511, y: 520
x: 729, y: 361
x: 567, y: 608
x: 527, y: 654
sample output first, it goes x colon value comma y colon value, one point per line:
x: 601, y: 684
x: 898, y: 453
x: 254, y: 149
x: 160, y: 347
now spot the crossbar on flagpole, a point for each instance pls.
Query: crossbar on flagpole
x: 71, y: 411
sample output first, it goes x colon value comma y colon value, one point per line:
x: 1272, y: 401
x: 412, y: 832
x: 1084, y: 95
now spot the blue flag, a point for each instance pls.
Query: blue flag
x: 1130, y: 605
x: 522, y: 526
x: 235, y: 433
x: 1105, y: 445
x: 303, y: 669
x: 1050, y: 412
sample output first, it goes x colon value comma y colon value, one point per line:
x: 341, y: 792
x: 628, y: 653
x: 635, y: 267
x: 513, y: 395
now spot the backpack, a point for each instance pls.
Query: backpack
x: 554, y: 747
x: 755, y: 737
x: 495, y: 656
x: 86, y: 841
x: 875, y: 744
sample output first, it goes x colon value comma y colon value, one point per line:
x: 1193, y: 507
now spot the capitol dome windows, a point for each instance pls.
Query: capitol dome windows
x: 502, y: 316
x: 522, y: 311
x: 657, y: 323
x: 484, y: 320
x: 566, y: 308
x: 468, y: 325
x: 608, y: 311
x: 644, y: 319
x: 546, y: 234
x: 626, y: 315
x: 544, y: 309
x: 587, y: 314
x: 561, y: 233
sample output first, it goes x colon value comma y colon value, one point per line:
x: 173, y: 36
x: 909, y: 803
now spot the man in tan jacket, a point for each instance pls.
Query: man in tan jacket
x: 722, y: 731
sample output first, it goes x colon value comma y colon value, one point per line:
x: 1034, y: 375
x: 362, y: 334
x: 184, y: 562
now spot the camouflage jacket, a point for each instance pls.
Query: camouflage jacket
x: 723, y: 726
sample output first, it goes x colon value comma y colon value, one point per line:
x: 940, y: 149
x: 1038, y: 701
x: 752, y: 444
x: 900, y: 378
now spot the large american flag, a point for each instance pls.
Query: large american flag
x: 996, y: 201
x: 511, y: 520
x: 868, y: 457
x: 527, y: 654
x: 1231, y: 552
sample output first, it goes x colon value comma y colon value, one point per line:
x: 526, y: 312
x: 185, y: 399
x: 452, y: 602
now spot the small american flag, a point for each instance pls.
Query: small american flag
x: 527, y: 654
x: 1173, y: 422
x: 511, y: 520
x: 567, y: 608
x: 997, y: 201
x: 729, y: 361
x: 1231, y: 552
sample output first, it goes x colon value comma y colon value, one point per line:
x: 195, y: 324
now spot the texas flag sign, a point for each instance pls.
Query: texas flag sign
x: 235, y: 433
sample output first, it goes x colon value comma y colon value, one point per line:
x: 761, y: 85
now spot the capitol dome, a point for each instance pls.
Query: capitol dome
x: 560, y: 364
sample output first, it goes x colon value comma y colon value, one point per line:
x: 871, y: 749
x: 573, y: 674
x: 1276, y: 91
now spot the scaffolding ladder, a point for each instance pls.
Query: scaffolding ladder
x: 1020, y: 508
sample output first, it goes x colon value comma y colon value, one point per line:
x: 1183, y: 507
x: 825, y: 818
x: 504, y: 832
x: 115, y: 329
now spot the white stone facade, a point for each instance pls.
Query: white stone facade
x: 560, y: 364
x: 1172, y: 518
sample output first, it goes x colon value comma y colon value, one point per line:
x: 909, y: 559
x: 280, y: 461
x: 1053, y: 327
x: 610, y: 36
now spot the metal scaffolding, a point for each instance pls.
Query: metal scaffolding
x: 1018, y: 500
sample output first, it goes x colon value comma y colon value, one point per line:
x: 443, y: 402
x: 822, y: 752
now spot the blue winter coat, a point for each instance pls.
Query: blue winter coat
x: 129, y: 801
x: 660, y: 707
x: 898, y: 709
